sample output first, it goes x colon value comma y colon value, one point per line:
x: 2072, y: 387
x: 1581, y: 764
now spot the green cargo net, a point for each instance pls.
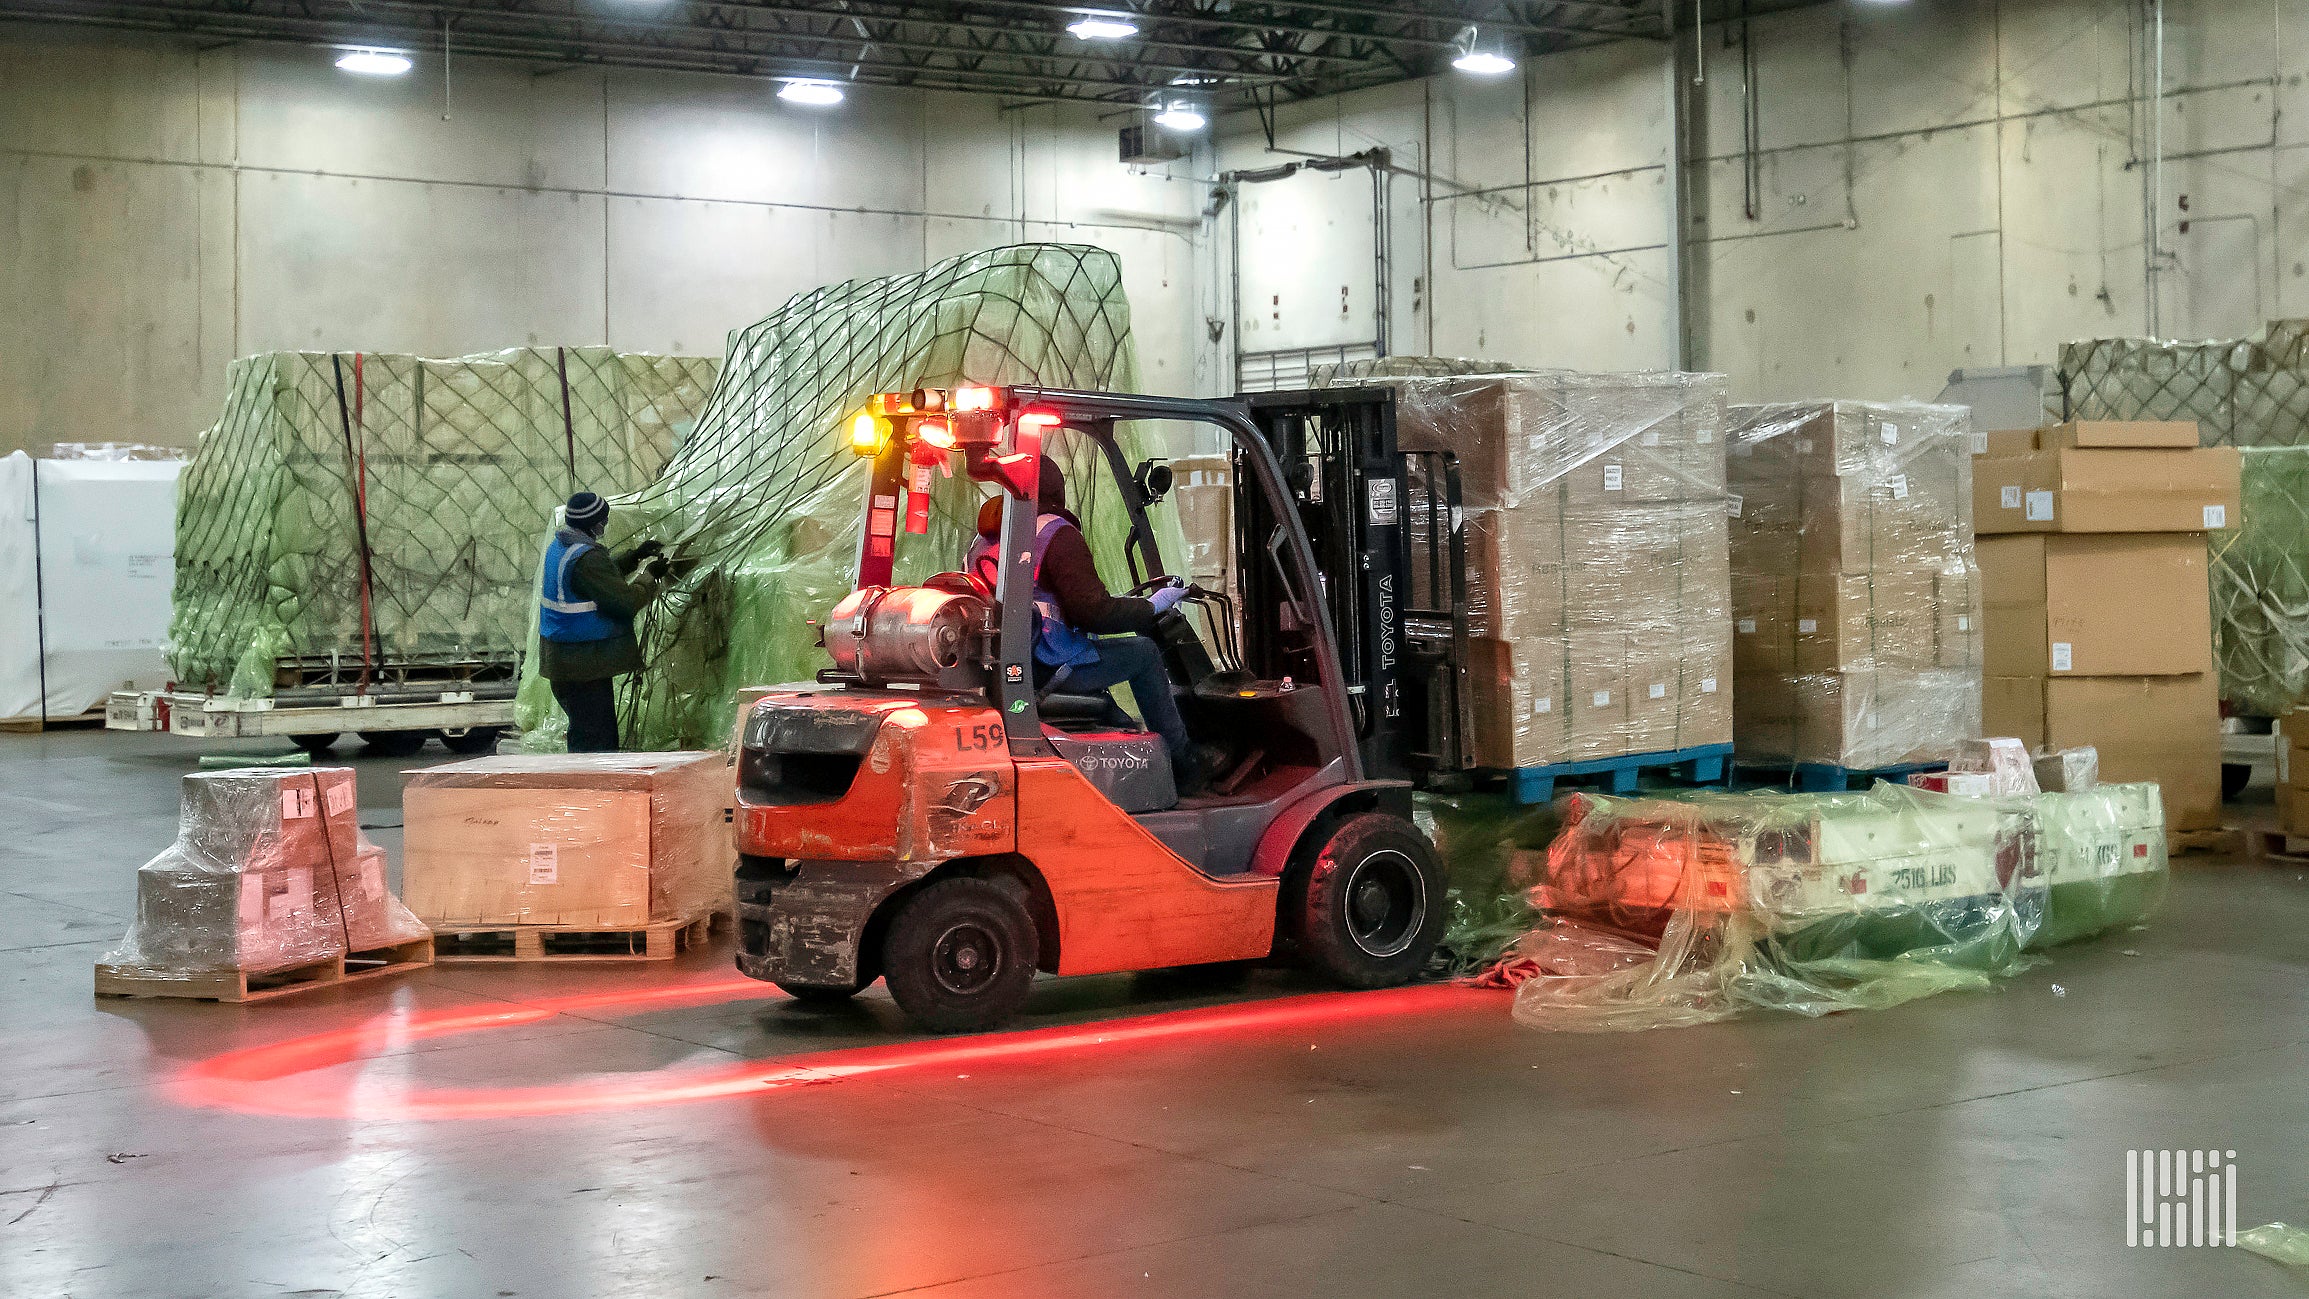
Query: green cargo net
x: 761, y: 512
x: 2244, y: 392
x: 370, y: 520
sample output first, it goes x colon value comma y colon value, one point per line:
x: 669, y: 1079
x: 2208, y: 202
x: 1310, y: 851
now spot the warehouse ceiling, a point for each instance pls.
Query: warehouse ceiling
x: 1235, y: 53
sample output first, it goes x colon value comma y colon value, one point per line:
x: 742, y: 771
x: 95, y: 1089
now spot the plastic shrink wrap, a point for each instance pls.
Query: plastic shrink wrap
x: 353, y: 514
x: 269, y: 871
x: 2260, y: 580
x: 1597, y: 561
x: 761, y: 510
x: 1855, y: 596
x: 1807, y: 903
x: 595, y: 840
x: 2102, y: 853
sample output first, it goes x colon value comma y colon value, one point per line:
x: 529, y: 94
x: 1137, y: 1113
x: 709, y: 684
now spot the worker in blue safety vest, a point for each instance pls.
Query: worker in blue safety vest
x: 587, y: 601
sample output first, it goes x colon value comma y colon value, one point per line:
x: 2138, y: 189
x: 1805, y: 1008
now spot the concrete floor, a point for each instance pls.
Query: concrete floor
x: 1966, y: 1145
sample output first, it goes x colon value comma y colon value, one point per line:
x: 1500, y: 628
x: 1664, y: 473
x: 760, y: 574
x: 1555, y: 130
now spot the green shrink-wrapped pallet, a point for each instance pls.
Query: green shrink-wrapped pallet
x: 761, y: 510
x: 366, y: 517
x: 2101, y: 852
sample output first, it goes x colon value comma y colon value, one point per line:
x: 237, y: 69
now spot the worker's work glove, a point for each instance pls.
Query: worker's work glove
x: 1168, y: 597
x: 639, y: 555
x: 654, y: 569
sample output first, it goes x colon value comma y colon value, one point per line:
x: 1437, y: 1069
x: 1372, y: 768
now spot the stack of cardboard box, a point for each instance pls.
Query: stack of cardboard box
x: 2096, y: 609
x: 1597, y: 558
x: 1856, y: 611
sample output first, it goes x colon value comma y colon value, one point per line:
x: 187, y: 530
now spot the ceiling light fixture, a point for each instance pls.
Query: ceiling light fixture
x: 1473, y: 52
x: 1180, y: 115
x: 809, y: 91
x: 374, y: 63
x: 1102, y: 27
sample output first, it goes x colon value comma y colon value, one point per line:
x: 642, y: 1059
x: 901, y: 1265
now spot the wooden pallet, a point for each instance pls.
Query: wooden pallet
x: 240, y: 986
x: 2276, y: 845
x: 658, y: 942
x: 1827, y: 777
x: 1703, y: 765
x: 2179, y: 843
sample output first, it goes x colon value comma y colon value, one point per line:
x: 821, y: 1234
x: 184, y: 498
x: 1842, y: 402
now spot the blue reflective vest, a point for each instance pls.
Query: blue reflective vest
x: 562, y: 616
x: 1057, y: 643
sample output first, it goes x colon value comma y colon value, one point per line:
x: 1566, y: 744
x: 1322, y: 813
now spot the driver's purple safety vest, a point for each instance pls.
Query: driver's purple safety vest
x: 1057, y: 643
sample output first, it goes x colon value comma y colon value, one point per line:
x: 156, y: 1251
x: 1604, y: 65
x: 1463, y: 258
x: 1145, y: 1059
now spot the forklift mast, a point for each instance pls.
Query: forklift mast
x: 1386, y: 527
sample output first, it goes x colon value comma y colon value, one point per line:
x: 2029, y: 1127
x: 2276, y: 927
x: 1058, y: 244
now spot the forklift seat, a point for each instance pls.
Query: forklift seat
x: 1085, y: 712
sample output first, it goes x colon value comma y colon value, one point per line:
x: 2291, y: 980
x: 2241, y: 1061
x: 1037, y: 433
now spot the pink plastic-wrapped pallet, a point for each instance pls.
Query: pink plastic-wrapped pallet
x: 269, y: 872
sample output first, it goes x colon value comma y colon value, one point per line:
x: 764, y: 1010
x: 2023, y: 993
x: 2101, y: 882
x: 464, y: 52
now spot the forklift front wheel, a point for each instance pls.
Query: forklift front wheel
x: 1371, y: 904
x: 960, y: 955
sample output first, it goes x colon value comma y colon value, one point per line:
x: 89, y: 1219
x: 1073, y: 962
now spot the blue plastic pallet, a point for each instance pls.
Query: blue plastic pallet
x: 1704, y: 765
x: 1828, y: 778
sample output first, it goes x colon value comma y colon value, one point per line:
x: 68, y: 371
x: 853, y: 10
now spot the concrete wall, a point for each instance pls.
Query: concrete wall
x: 165, y: 209
x: 1938, y: 184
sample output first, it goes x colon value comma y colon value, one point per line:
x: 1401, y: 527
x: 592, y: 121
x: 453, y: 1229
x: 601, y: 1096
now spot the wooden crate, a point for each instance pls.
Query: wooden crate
x: 241, y: 985
x: 2181, y: 843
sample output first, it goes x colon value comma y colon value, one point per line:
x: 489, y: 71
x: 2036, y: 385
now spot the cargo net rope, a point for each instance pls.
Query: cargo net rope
x: 1855, y: 590
x: 1618, y: 914
x: 2251, y: 393
x: 761, y: 512
x: 366, y: 522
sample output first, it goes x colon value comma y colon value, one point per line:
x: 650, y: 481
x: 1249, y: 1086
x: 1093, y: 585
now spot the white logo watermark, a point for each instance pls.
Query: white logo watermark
x: 2180, y: 1197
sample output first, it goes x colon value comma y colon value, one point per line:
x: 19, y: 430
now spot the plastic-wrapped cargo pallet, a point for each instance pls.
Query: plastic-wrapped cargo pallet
x: 2260, y: 581
x: 269, y: 872
x: 761, y: 510
x: 1597, y: 563
x: 351, y: 516
x: 1854, y: 588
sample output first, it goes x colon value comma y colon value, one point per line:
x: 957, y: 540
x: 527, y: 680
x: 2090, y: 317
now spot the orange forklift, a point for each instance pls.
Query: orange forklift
x: 930, y: 815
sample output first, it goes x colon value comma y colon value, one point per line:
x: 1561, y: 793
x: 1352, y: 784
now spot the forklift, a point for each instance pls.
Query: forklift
x: 934, y: 812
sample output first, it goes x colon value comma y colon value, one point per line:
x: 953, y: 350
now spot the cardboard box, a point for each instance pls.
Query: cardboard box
x: 2111, y: 490
x: 2181, y: 433
x: 1203, y: 494
x: 2111, y: 604
x: 598, y: 840
x: 1858, y: 719
x: 2008, y: 442
x: 2164, y: 729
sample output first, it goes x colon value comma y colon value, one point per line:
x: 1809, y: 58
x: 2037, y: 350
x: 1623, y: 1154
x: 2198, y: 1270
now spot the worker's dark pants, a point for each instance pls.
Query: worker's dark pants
x: 592, y: 709
x: 1135, y: 659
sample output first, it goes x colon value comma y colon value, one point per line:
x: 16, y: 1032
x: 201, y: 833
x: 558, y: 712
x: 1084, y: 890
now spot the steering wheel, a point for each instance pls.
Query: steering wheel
x: 1154, y: 584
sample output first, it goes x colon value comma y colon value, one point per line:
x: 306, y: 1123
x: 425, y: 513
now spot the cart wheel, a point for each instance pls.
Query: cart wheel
x: 474, y: 739
x: 2234, y: 777
x: 394, y: 744
x: 317, y: 745
x: 822, y: 994
x: 1369, y: 904
x: 960, y: 955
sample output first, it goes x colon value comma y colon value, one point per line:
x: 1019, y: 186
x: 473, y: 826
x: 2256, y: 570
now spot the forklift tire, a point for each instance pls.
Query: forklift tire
x: 394, y: 744
x: 819, y: 995
x: 317, y: 745
x: 1369, y: 907
x: 960, y: 955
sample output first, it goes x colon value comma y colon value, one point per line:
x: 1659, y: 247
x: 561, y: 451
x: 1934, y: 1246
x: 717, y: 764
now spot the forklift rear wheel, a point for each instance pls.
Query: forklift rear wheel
x: 821, y: 994
x: 960, y: 955
x: 317, y: 745
x: 394, y: 744
x: 1370, y: 905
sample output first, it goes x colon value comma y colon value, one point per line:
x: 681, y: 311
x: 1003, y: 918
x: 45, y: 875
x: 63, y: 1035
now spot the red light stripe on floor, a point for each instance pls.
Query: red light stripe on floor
x: 288, y: 1079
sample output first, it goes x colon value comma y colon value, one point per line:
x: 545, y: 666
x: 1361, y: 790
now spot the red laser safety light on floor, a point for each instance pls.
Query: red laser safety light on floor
x: 288, y: 1079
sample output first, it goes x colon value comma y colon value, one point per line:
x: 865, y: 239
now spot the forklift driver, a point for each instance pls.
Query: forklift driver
x: 1090, y: 646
